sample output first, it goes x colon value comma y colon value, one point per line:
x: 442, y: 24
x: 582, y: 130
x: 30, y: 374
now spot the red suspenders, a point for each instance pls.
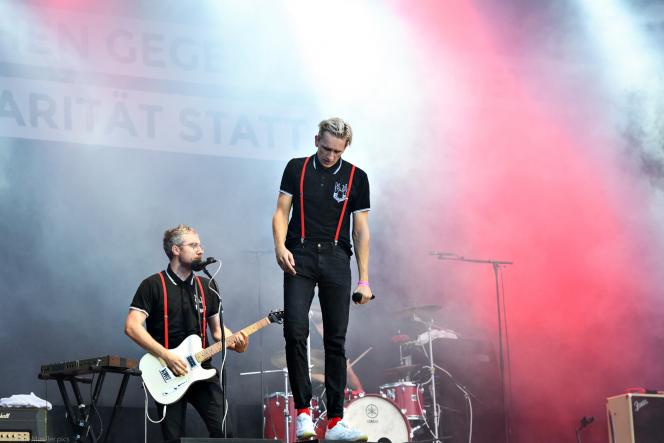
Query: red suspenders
x: 343, y: 209
x: 204, y: 326
x: 163, y: 285
x: 304, y: 168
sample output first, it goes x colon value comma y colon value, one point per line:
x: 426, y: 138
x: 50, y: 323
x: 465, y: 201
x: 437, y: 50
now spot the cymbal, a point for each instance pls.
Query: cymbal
x: 422, y: 309
x: 400, y: 371
x: 278, y: 359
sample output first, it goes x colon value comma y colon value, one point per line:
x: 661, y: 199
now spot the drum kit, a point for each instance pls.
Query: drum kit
x: 397, y: 413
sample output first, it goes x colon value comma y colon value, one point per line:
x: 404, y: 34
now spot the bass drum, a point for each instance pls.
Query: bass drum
x: 377, y: 417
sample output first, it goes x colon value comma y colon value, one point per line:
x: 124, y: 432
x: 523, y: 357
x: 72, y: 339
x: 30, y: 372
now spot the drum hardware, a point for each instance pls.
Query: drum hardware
x: 273, y: 427
x: 432, y: 368
x: 286, y: 395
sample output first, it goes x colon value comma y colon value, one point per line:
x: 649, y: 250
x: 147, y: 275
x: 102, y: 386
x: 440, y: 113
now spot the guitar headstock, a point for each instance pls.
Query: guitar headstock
x: 276, y: 316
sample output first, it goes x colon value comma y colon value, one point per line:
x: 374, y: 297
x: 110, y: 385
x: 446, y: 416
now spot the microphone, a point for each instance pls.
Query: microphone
x: 199, y: 265
x: 357, y: 297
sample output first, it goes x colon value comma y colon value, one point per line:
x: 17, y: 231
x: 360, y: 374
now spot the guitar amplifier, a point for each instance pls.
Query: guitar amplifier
x: 23, y: 424
x: 636, y: 418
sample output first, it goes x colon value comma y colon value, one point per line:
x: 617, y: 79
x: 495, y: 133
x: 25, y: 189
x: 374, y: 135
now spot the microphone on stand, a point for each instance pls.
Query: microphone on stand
x: 200, y: 265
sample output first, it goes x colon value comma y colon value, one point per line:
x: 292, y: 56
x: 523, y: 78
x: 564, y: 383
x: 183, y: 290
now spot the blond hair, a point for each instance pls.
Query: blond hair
x: 173, y: 237
x: 336, y: 127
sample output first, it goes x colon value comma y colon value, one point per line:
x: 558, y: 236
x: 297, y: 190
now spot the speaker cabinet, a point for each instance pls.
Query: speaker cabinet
x: 636, y: 418
x: 15, y: 422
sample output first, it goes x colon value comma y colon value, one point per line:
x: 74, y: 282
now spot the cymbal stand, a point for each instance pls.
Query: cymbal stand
x: 287, y: 418
x: 436, y: 410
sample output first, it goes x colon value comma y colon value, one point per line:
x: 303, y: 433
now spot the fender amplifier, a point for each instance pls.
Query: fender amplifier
x: 636, y: 418
x: 23, y: 424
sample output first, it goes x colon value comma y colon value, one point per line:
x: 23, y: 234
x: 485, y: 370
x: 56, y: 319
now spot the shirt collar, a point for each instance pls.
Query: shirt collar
x: 333, y: 169
x: 176, y: 280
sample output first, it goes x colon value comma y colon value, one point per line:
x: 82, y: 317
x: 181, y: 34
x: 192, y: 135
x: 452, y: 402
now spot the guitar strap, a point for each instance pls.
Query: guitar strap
x: 204, y: 324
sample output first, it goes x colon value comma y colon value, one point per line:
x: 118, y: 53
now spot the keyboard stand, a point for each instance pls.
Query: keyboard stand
x: 79, y: 417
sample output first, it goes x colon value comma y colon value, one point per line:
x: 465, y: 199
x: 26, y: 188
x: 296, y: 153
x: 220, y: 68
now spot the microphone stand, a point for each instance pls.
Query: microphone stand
x: 497, y: 265
x: 585, y: 421
x: 222, y: 374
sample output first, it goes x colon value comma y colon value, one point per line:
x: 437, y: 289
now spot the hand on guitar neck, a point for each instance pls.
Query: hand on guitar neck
x: 237, y: 342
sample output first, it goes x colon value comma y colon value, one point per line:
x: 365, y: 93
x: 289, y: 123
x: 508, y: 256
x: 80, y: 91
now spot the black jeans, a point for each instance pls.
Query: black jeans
x: 205, y: 396
x: 327, y: 266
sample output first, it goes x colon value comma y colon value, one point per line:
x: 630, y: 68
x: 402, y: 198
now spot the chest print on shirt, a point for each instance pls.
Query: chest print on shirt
x: 339, y: 193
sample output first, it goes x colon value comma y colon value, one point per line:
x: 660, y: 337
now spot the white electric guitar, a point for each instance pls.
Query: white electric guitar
x: 166, y: 387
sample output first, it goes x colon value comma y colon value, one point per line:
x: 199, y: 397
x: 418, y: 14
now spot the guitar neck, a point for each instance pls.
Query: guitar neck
x: 210, y: 351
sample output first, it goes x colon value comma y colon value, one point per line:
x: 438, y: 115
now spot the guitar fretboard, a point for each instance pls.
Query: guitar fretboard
x: 210, y: 351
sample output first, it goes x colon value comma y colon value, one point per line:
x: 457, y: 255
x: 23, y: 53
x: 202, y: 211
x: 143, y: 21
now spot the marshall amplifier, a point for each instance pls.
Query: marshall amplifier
x: 23, y: 424
x: 636, y: 418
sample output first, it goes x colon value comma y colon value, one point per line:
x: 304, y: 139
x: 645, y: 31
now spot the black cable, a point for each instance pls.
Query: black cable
x: 93, y: 407
x: 223, y: 350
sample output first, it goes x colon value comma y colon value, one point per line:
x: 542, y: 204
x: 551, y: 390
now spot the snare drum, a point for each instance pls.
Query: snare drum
x: 273, y: 416
x: 377, y: 417
x: 406, y: 395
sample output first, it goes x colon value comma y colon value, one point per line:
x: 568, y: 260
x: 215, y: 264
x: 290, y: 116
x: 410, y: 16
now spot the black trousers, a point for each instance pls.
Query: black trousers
x: 205, y: 396
x: 327, y: 266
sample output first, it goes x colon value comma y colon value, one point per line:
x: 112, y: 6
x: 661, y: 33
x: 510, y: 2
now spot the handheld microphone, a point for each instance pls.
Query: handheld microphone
x: 357, y: 297
x: 199, y: 265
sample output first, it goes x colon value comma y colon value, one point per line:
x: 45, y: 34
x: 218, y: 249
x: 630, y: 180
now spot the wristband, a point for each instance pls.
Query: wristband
x: 363, y: 283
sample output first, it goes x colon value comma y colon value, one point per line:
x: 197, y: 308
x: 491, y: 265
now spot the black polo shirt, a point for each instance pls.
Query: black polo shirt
x: 324, y: 193
x: 182, y: 317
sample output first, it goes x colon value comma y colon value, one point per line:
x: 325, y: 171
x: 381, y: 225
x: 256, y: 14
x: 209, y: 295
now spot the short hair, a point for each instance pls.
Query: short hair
x: 173, y: 236
x: 336, y: 127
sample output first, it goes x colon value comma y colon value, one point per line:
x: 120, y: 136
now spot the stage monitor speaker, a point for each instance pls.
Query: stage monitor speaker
x: 22, y: 420
x: 635, y: 418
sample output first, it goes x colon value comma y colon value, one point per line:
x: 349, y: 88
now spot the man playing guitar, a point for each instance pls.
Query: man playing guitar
x: 175, y: 304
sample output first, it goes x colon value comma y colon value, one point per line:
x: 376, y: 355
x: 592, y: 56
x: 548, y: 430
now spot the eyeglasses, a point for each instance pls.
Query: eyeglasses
x: 194, y: 246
